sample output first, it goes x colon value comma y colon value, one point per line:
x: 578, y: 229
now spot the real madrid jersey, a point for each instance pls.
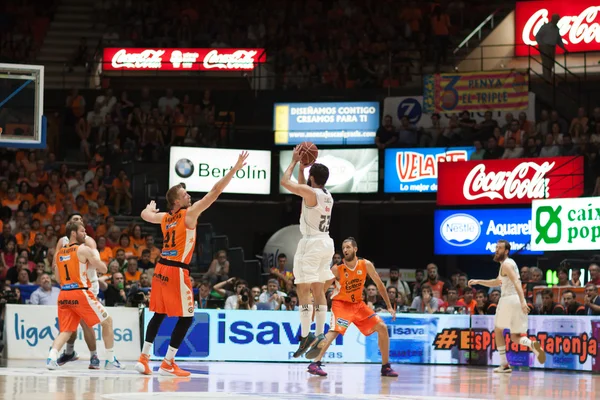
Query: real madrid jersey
x: 314, y: 221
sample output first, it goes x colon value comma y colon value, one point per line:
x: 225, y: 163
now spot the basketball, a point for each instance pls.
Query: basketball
x: 308, y: 152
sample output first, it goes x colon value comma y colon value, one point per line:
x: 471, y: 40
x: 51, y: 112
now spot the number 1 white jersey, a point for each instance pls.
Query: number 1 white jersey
x: 315, y: 220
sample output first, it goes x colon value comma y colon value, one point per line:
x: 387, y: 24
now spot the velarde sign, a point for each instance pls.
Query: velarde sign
x: 512, y: 181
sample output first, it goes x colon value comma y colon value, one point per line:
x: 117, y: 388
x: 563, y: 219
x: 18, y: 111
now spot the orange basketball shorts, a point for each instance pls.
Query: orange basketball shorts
x: 344, y: 313
x: 77, y: 305
x: 172, y: 292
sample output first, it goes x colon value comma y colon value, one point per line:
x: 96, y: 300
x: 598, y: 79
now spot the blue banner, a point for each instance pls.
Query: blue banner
x: 416, y: 170
x: 475, y: 232
x: 326, y: 123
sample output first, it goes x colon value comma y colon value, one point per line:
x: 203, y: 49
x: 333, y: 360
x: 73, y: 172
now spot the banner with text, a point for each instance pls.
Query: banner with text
x: 200, y: 168
x: 476, y: 232
x: 218, y: 335
x: 30, y: 331
x: 416, y: 170
x: 476, y: 91
x: 413, y: 109
x: 326, y: 123
x: 511, y: 181
x: 566, y: 224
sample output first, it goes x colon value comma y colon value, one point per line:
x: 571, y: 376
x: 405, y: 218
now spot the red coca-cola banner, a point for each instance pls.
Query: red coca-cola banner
x: 514, y: 181
x: 579, y: 24
x: 141, y: 59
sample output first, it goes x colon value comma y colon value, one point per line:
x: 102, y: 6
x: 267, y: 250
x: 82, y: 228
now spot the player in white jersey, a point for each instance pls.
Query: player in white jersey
x: 315, y: 250
x: 88, y: 333
x: 512, y: 308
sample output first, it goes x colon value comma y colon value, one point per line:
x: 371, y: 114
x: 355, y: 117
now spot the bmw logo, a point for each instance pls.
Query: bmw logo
x: 184, y: 168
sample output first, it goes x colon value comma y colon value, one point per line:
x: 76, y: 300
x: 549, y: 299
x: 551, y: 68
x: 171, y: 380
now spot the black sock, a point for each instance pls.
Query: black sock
x: 153, y: 326
x: 180, y: 330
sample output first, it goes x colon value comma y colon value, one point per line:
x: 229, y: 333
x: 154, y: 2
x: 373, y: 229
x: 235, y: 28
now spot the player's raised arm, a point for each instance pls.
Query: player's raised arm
x: 198, y: 207
x: 92, y: 257
x: 372, y: 272
x: 151, y: 214
x: 516, y: 280
x: 301, y: 188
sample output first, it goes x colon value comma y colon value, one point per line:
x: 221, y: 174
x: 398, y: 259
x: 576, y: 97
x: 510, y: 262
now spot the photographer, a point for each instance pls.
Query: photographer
x: 114, y: 294
x: 136, y: 297
x: 232, y: 301
x: 245, y: 301
x: 273, y: 297
x: 290, y: 303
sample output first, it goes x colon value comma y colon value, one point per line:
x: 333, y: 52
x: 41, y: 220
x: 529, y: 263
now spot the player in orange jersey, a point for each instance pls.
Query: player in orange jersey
x: 348, y: 307
x: 76, y: 301
x: 172, y: 292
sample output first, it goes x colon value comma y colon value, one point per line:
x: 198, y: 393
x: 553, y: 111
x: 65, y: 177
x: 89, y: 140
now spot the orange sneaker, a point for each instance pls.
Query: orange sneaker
x: 142, y: 365
x: 170, y: 368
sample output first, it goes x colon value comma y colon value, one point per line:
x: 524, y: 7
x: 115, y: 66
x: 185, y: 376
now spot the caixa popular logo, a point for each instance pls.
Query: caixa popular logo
x: 460, y: 230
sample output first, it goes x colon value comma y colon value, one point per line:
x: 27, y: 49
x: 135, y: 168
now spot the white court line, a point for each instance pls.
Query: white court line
x: 250, y: 396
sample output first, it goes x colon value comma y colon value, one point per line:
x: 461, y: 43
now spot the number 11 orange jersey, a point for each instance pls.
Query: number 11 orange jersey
x: 178, y: 241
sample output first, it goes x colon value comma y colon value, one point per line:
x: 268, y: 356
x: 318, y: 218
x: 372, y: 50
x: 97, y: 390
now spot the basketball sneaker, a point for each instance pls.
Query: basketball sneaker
x: 115, y: 364
x: 65, y: 358
x: 386, y: 370
x: 540, y: 354
x: 305, y: 343
x: 315, y: 369
x: 503, y: 369
x: 316, y: 347
x: 170, y: 368
x: 51, y: 364
x: 143, y: 366
x: 94, y: 362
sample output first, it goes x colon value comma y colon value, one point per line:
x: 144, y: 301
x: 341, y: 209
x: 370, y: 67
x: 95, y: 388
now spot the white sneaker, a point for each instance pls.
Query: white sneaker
x: 52, y: 364
x: 540, y: 354
x: 503, y: 369
x: 113, y: 365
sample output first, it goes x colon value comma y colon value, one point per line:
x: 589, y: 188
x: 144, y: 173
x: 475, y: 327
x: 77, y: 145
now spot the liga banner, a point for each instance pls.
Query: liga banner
x: 476, y: 91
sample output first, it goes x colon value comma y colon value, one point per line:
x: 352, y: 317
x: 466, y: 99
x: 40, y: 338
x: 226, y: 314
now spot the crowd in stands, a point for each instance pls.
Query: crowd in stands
x: 513, y: 137
x: 309, y: 43
x: 112, y: 124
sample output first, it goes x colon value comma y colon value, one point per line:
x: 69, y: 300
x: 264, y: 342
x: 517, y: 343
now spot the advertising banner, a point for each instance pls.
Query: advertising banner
x: 476, y: 91
x: 30, y: 331
x: 578, y: 24
x: 350, y: 171
x: 181, y: 59
x: 512, y: 181
x: 326, y: 123
x: 218, y: 335
x: 416, y: 170
x: 200, y: 168
x: 566, y: 224
x: 413, y: 108
x: 476, y: 232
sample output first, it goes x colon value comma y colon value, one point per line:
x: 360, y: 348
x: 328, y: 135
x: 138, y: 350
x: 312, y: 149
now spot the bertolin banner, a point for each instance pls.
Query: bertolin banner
x: 232, y: 335
x: 476, y: 91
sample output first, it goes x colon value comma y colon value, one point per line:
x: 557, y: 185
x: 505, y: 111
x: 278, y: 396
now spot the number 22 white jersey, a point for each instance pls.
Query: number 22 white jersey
x: 315, y: 220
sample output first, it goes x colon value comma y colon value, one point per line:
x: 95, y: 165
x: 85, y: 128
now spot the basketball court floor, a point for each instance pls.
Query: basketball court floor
x: 29, y: 380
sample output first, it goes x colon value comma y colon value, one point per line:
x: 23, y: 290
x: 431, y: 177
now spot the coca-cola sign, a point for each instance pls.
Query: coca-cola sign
x: 167, y: 59
x: 513, y: 181
x: 579, y: 24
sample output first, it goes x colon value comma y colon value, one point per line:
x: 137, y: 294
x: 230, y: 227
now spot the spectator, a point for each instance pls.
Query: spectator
x: 563, y: 277
x: 132, y: 274
x: 46, y: 294
x: 203, y: 295
x: 479, y: 152
x: 468, y: 302
x: 452, y: 303
x: 438, y: 287
x: 25, y: 239
x: 592, y: 300
x: 6, y: 236
x: 511, y: 151
x: 550, y: 149
x: 407, y: 133
x: 481, y: 300
x: 121, y: 191
x: 232, y: 301
x: 284, y: 277
x: 548, y: 37
x: 136, y: 238
x: 594, y: 271
x: 125, y: 245
x: 114, y: 293
x: 290, y: 302
x: 493, y: 152
x: 145, y: 281
x: 401, y: 286
x: 549, y: 307
x: 373, y: 299
x: 572, y: 307
x: 145, y: 264
x: 272, y: 298
x: 416, y: 286
x: 386, y: 135
x: 23, y: 278
x: 575, y: 275
x: 9, y: 254
x: 38, y: 251
x: 218, y: 270
x: 433, y: 134
x: 426, y: 303
x: 149, y: 245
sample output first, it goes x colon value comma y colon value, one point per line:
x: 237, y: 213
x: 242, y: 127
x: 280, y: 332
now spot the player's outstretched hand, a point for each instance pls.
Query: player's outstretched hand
x: 151, y: 207
x: 393, y: 312
x: 241, y: 161
x: 296, y: 156
x: 473, y: 282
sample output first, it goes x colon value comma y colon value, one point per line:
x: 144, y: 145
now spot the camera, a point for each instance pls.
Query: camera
x: 287, y: 299
x: 136, y: 296
x: 245, y: 296
x: 8, y: 297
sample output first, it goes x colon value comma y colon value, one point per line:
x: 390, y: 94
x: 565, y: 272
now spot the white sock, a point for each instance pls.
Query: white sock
x: 525, y: 341
x: 502, y: 353
x: 171, y: 354
x: 70, y: 348
x: 53, y: 355
x: 93, y: 353
x: 110, y: 355
x: 306, y: 311
x: 146, y: 348
x: 320, y: 317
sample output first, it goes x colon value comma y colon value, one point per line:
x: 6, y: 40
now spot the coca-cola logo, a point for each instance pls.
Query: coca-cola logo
x: 574, y: 29
x: 240, y: 59
x: 149, y: 59
x: 503, y: 185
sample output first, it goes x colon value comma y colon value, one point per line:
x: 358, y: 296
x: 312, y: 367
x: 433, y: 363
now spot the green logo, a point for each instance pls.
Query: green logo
x: 553, y: 220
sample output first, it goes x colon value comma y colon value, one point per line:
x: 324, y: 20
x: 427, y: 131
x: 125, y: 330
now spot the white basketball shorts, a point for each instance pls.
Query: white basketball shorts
x: 312, y: 261
x: 510, y: 316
